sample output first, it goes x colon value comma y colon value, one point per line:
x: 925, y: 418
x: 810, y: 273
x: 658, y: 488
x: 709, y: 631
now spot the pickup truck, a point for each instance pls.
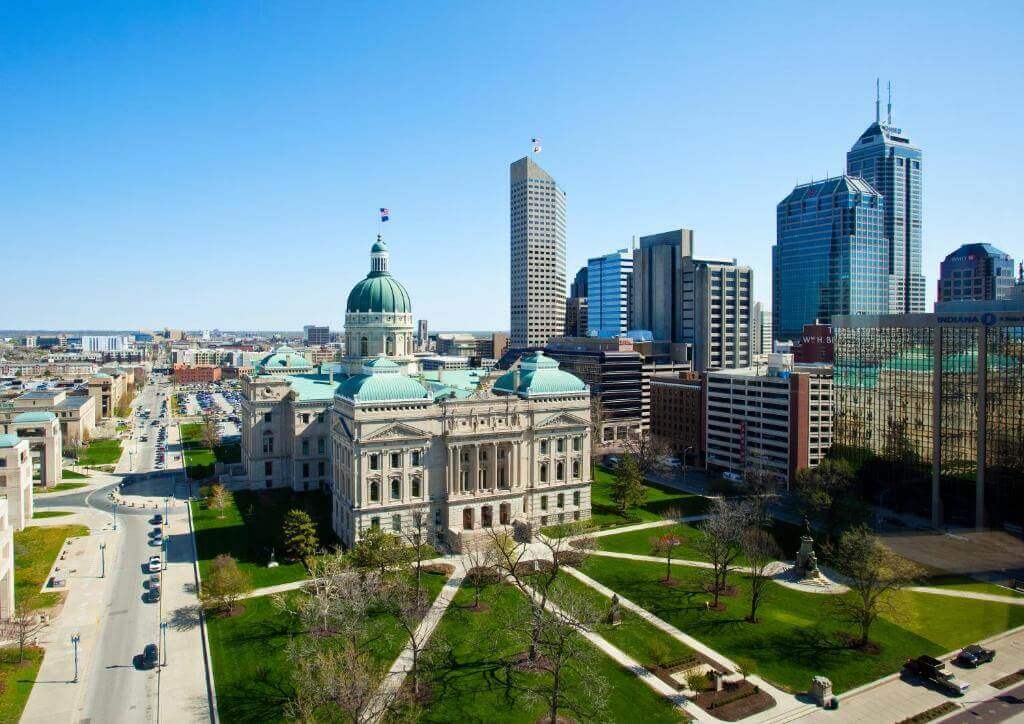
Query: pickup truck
x: 931, y: 669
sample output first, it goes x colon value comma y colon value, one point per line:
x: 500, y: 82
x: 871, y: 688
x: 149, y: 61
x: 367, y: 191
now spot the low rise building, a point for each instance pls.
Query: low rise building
x: 16, y: 478
x: 766, y: 423
x: 438, y: 362
x: 41, y: 429
x: 74, y: 408
x: 6, y: 562
x: 677, y: 414
x: 198, y: 374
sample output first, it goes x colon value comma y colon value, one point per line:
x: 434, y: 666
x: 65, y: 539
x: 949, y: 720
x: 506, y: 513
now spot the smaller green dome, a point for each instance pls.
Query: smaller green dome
x: 382, y: 381
x: 9, y: 440
x: 379, y: 247
x: 284, y: 358
x: 538, y: 375
x: 36, y: 416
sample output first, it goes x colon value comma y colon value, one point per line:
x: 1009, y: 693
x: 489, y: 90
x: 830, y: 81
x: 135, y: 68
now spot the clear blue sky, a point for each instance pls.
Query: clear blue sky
x: 221, y: 164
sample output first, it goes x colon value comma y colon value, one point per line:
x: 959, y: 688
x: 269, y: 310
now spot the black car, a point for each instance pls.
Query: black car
x: 157, y: 519
x: 150, y: 657
x: 975, y: 655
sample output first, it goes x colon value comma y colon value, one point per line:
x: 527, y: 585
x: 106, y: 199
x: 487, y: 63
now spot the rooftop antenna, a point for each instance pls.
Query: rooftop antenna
x: 878, y: 100
x: 888, y: 119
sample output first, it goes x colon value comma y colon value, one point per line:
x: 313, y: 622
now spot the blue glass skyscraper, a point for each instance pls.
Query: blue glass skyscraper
x: 609, y: 278
x: 884, y: 158
x: 831, y: 254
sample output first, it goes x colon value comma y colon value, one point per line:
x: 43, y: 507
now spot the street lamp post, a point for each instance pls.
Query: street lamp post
x: 103, y: 560
x: 163, y: 630
x: 115, y: 515
x: 75, y: 638
x: 167, y: 519
x: 686, y: 450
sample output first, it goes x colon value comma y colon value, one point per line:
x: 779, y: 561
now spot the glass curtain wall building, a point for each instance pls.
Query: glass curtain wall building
x: 830, y: 256
x: 609, y: 283
x: 929, y: 409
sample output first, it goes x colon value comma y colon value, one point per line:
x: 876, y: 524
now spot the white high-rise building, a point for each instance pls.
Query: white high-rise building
x: 105, y: 343
x: 760, y: 329
x: 538, y: 255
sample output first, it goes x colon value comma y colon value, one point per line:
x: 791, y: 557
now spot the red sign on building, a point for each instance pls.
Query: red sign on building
x: 815, y: 345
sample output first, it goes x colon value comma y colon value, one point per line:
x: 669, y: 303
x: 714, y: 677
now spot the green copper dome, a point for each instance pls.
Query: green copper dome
x: 379, y: 292
x: 284, y: 358
x: 382, y: 381
x: 539, y: 375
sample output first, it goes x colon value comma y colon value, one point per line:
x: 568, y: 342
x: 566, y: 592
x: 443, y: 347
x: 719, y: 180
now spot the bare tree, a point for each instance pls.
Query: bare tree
x: 721, y: 543
x: 210, y: 431
x: 666, y: 545
x: 481, y: 558
x: 218, y: 499
x: 650, y: 453
x: 761, y: 552
x: 874, y: 574
x: 570, y: 681
x: 331, y: 677
x: 404, y: 603
x: 224, y: 584
x: 23, y: 626
x: 416, y: 537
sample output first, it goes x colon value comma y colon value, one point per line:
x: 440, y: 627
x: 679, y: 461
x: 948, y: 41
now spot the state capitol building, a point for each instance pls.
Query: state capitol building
x: 453, y: 452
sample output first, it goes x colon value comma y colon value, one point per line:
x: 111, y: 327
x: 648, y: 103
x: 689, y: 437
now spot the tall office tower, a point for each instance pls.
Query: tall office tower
x: 609, y: 279
x: 538, y: 255
x: 830, y: 256
x: 422, y: 334
x: 975, y: 272
x: 716, y: 295
x: 884, y: 158
x: 315, y: 336
x: 658, y: 282
x: 576, y: 317
x: 578, y: 288
x: 760, y: 329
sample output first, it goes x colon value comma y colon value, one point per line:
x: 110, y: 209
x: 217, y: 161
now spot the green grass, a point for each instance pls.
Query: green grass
x: 41, y: 514
x: 199, y: 458
x: 250, y: 662
x: 16, y: 680
x: 797, y: 636
x: 35, y: 549
x: 72, y: 475
x: 101, y: 452
x: 251, y: 527
x: 59, y: 488
x: 959, y: 582
x: 477, y: 687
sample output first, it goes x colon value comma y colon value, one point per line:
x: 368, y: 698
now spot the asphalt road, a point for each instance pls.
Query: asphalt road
x: 118, y: 691
x: 1007, y: 706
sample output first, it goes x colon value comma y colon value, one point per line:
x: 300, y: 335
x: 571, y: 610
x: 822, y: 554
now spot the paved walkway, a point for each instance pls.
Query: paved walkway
x: 637, y: 526
x: 785, y: 702
x: 279, y: 588
x: 403, y: 664
x: 1012, y: 600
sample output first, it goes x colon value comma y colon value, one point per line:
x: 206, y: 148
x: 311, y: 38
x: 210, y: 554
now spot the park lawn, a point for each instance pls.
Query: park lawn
x: 58, y: 488
x: 250, y: 660
x: 797, y: 636
x: 199, y: 458
x: 16, y: 679
x: 101, y: 452
x: 473, y: 685
x: 635, y: 636
x: 35, y: 549
x: 959, y: 582
x: 251, y: 529
x: 51, y: 514
x: 72, y: 475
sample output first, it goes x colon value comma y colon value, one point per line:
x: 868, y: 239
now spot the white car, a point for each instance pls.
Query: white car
x: 156, y: 563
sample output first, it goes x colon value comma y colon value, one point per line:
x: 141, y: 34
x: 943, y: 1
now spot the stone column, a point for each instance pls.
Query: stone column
x: 474, y: 469
x: 450, y: 471
x: 492, y: 468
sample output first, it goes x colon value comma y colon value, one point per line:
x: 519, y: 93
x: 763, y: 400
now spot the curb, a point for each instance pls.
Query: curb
x: 211, y: 689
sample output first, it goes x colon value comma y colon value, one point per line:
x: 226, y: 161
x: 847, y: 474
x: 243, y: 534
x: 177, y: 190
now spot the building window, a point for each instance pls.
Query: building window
x: 363, y: 346
x: 396, y: 523
x: 415, y: 457
x: 396, y: 460
x: 305, y: 417
x: 486, y: 517
x: 305, y: 470
x: 504, y: 513
x: 375, y: 523
x: 305, y: 447
x: 416, y: 487
x: 543, y: 472
x: 320, y: 446
x: 267, y: 417
x: 320, y: 469
x: 561, y: 500
x: 268, y: 468
x: 374, y: 491
x: 268, y: 443
x: 560, y: 471
x: 543, y: 447
x: 577, y: 444
x: 396, y: 488
x: 576, y: 498
x: 561, y: 444
x: 467, y: 519
x: 543, y: 502
x: 374, y: 461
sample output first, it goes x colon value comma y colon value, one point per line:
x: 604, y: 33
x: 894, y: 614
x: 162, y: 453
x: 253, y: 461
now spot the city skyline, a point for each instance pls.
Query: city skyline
x: 163, y: 151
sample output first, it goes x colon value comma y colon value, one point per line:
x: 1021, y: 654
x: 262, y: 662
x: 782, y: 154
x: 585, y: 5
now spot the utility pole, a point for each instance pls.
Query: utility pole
x: 103, y: 560
x: 75, y: 638
x: 163, y: 630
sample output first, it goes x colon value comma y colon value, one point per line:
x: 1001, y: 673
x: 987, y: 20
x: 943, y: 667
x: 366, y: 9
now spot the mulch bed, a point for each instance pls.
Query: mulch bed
x: 934, y: 713
x: 533, y: 566
x: 1008, y: 680
x: 478, y: 608
x: 574, y: 558
x: 560, y: 720
x: 851, y: 642
x: 438, y: 569
x: 521, y: 662
x: 237, y: 610
x: 670, y: 582
x: 735, y: 701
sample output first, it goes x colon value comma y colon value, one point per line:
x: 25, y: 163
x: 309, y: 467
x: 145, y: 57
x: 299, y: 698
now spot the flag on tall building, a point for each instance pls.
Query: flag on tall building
x: 385, y: 214
x: 536, y: 144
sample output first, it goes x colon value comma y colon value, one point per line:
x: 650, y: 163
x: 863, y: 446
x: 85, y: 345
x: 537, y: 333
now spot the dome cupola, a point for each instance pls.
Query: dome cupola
x: 379, y: 292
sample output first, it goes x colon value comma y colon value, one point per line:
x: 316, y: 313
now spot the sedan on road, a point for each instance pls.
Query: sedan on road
x: 975, y: 655
x: 156, y: 563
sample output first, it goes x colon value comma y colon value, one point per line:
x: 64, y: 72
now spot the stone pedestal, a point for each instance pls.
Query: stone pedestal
x: 806, y: 561
x: 615, y: 612
x: 821, y: 690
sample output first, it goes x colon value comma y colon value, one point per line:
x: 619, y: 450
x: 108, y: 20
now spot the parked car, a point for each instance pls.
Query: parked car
x: 153, y: 595
x: 975, y: 655
x: 157, y: 519
x: 150, y: 657
x: 934, y: 671
x: 156, y: 563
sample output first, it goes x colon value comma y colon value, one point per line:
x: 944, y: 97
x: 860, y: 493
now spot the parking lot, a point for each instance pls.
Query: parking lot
x: 219, y: 401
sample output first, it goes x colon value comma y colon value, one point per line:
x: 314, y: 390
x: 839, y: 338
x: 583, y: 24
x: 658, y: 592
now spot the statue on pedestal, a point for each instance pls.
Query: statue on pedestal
x: 614, y: 613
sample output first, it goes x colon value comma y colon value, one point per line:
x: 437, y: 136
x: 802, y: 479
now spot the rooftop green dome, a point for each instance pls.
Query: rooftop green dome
x: 284, y: 358
x: 382, y: 381
x: 379, y: 292
x: 539, y: 375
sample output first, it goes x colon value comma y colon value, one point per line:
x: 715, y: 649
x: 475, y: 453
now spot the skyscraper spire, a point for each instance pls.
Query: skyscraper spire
x: 878, y: 100
x: 888, y: 118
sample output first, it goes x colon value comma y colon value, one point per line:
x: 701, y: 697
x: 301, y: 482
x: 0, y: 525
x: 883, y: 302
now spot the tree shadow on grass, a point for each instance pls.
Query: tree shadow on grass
x: 458, y: 682
x: 260, y: 697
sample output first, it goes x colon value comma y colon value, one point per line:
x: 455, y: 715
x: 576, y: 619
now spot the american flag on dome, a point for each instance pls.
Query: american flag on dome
x: 385, y: 214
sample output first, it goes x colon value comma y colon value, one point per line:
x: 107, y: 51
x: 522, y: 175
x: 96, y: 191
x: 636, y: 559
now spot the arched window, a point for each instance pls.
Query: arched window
x: 543, y: 472
x: 575, y: 468
x: 374, y: 491
x: 396, y: 488
x: 390, y: 346
x: 416, y: 487
x: 364, y: 346
x: 560, y: 471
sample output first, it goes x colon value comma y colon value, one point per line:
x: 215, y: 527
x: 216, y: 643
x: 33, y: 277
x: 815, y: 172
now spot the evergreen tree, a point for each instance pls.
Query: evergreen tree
x: 298, y: 535
x: 628, y: 489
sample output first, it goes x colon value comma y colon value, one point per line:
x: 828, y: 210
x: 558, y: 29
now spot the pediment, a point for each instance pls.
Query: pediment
x: 397, y: 431
x: 564, y: 419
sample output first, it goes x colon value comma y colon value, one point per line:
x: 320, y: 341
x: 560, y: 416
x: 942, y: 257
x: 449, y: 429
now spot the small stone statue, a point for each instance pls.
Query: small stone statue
x: 272, y: 563
x: 807, y: 526
x: 615, y: 613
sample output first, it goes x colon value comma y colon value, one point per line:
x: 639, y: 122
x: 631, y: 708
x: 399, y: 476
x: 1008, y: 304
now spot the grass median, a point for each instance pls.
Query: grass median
x: 35, y: 549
